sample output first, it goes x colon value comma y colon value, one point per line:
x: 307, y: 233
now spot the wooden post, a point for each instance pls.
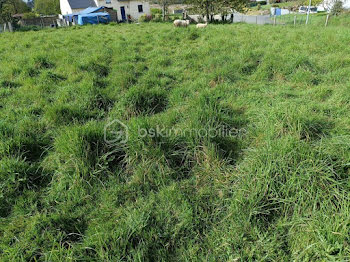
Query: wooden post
x: 274, y: 20
x: 326, y: 20
x: 295, y: 20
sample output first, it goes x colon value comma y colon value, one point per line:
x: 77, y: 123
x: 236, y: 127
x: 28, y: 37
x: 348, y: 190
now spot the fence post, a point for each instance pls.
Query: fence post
x: 326, y: 20
x: 295, y: 20
x: 274, y: 20
x: 256, y: 19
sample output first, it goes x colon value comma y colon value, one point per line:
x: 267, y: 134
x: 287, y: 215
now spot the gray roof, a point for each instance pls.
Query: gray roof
x: 79, y: 4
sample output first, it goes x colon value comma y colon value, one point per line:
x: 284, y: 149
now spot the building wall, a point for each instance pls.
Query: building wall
x: 131, y: 7
x: 65, y: 7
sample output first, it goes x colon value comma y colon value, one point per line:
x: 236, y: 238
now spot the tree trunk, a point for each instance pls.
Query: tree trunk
x: 207, y: 10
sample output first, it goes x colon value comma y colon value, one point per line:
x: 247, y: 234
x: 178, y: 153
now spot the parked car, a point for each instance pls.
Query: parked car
x: 304, y: 9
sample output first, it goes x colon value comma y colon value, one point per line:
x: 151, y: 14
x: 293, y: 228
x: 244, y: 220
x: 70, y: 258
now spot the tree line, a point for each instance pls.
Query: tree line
x: 208, y: 8
x: 10, y: 7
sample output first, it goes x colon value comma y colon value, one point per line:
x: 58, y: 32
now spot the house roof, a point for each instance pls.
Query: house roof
x: 80, y: 4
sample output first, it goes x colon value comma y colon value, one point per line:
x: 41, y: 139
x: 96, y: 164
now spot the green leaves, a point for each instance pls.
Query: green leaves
x: 47, y: 7
x: 214, y: 7
x: 10, y: 7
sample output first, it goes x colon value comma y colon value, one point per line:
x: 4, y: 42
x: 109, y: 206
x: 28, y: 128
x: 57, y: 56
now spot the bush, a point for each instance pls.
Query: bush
x: 28, y: 28
x: 337, y: 8
x: 174, y: 17
x: 145, y: 18
x: 156, y: 11
x: 157, y: 18
x: 29, y: 15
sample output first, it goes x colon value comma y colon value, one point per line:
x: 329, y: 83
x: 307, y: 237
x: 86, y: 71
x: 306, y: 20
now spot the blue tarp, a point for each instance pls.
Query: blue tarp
x: 94, y: 18
x: 88, y: 10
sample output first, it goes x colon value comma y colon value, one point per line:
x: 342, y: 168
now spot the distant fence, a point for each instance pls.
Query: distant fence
x: 240, y: 18
x: 322, y: 19
x: 252, y: 19
x: 39, y: 21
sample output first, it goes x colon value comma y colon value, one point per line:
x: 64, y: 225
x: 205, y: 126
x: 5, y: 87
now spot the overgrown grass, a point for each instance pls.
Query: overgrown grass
x: 276, y: 189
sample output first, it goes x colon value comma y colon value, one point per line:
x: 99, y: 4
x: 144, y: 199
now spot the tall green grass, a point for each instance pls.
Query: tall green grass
x: 276, y: 190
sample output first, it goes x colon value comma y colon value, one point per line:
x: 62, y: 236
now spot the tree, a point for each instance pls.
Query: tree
x: 211, y: 7
x: 165, y: 4
x: 10, y: 7
x: 47, y: 7
x: 204, y: 7
x: 237, y: 5
x: 313, y: 2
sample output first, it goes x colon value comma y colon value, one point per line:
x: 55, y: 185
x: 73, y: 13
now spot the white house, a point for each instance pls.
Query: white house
x: 125, y: 8
x: 74, y: 6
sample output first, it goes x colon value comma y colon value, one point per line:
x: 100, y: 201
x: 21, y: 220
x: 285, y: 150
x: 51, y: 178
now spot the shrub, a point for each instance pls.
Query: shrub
x: 157, y: 18
x: 337, y: 8
x: 156, y: 11
x: 145, y: 18
x: 29, y: 15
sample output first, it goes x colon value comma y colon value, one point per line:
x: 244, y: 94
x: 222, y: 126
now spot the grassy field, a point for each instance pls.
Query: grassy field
x: 275, y: 189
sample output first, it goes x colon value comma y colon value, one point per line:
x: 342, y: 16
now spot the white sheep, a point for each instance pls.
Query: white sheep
x: 202, y: 25
x: 181, y: 23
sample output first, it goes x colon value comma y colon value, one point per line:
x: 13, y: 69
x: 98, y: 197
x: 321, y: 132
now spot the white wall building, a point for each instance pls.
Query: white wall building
x: 73, y: 6
x: 125, y: 8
